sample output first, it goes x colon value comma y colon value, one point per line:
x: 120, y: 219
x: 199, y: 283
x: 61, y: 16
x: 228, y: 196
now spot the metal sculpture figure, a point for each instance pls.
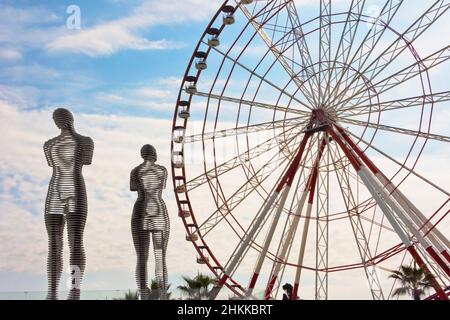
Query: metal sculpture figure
x: 66, y: 201
x: 150, y: 217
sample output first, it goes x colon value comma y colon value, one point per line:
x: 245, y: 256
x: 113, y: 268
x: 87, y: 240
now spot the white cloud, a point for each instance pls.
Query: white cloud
x: 22, y: 29
x: 154, y: 95
x: 126, y: 33
x: 10, y: 54
x: 106, y: 40
x: 30, y: 73
x: 20, y: 95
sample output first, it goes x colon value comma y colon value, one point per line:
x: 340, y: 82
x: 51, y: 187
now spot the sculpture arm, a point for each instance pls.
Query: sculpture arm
x: 133, y: 181
x: 164, y: 177
x: 47, y: 153
x: 88, y: 150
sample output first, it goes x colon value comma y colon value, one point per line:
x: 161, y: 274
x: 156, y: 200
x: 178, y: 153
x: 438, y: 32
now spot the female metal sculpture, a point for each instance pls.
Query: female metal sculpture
x: 150, y: 217
x: 66, y: 201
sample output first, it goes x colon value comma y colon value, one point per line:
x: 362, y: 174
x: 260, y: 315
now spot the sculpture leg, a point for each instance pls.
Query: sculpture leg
x: 75, y: 230
x: 160, y: 239
x: 54, y: 224
x: 164, y: 252
x: 141, y: 240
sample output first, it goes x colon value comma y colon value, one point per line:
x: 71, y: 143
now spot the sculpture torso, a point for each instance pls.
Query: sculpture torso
x: 67, y: 153
x: 150, y: 219
x: 149, y: 180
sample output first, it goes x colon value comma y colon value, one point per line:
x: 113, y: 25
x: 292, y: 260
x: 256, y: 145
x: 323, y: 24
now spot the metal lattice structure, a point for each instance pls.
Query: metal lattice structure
x: 150, y: 219
x: 313, y: 125
x: 66, y: 202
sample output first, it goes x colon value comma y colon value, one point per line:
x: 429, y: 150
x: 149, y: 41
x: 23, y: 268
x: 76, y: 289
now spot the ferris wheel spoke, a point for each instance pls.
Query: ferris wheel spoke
x: 322, y: 230
x: 264, y: 79
x: 402, y: 43
x: 324, y: 49
x: 302, y: 47
x: 404, y: 75
x: 253, y: 181
x: 370, y: 41
x: 403, y: 103
x: 265, y: 126
x: 250, y: 103
x: 301, y: 181
x: 409, y: 132
x: 372, y: 146
x: 259, y: 27
x: 346, y: 40
x: 426, y: 20
x: 238, y: 197
x: 235, y: 162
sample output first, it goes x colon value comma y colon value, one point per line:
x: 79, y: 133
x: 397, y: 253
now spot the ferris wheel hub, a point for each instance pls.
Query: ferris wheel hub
x: 320, y: 120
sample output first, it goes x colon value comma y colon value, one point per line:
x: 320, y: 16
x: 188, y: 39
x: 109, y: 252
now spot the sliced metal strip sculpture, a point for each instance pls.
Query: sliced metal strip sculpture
x: 150, y: 219
x: 66, y: 202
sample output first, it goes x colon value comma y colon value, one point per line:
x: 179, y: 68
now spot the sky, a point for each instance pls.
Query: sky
x: 118, y: 66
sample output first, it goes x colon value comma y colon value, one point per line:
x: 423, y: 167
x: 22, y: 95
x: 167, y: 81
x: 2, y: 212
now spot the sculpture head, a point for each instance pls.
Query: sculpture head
x: 63, y: 118
x: 148, y: 152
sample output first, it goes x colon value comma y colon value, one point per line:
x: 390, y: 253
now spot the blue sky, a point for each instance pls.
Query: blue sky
x: 63, y: 72
x: 120, y: 75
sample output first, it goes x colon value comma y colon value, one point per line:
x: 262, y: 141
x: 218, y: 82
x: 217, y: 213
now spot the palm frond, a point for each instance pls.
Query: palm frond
x: 401, y: 291
x: 414, y: 281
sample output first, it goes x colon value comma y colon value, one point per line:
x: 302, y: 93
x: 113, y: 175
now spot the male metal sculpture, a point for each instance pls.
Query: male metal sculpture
x: 150, y: 217
x: 66, y: 202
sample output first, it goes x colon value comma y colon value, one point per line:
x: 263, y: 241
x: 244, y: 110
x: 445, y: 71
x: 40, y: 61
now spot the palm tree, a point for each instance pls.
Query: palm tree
x: 154, y: 294
x: 197, y: 288
x: 414, y: 281
x: 130, y: 295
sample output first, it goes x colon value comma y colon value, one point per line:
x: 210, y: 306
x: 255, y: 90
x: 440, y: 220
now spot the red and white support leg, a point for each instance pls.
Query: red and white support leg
x: 267, y: 241
x: 285, y: 183
x: 405, y: 210
x: 291, y: 232
x: 303, y: 243
x: 383, y: 202
x: 286, y: 180
x: 301, y: 254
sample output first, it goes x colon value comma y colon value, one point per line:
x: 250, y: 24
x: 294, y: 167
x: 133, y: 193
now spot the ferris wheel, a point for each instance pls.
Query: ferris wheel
x: 303, y: 143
